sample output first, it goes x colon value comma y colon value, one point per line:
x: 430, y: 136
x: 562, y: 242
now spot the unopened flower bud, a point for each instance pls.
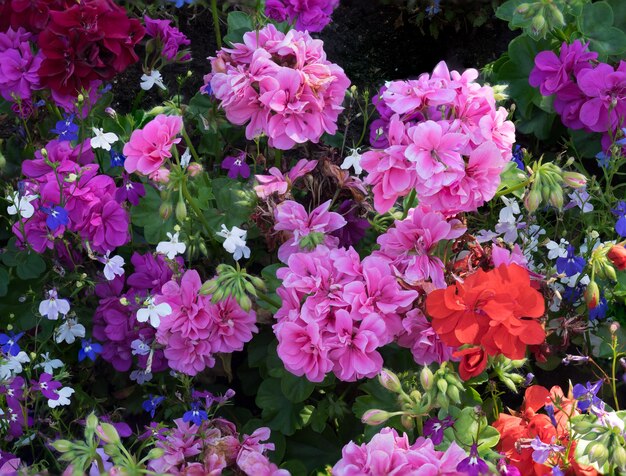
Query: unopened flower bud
x: 62, y: 446
x: 375, y: 417
x: 111, y: 112
x: 614, y: 327
x: 619, y: 457
x: 194, y: 169
x: 592, y: 295
x: 390, y: 381
x: 161, y: 175
x: 442, y: 385
x: 165, y: 210
x: 574, y: 179
x: 556, y: 14
x: 426, y: 378
x: 407, y: 422
x: 556, y: 198
x: 532, y: 200
x: 107, y: 433
x: 522, y: 8
x: 538, y: 24
x: 181, y: 211
x: 597, y: 452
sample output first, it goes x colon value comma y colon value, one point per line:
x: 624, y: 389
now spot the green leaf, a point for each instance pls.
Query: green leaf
x: 146, y: 215
x: 30, y: 265
x: 296, y: 389
x: 506, y: 11
x: 314, y: 450
x: 278, y: 412
x: 596, y: 24
x: 235, y: 202
x: 238, y: 24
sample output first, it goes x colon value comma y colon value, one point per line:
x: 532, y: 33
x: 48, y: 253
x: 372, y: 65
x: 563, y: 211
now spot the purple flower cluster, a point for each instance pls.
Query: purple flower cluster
x: 70, y: 195
x: 169, y: 39
x: 311, y: 15
x: 115, y: 324
x: 18, y: 68
x: 589, y: 95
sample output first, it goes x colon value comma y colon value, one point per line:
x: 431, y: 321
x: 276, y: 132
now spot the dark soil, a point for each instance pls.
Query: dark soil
x: 375, y: 43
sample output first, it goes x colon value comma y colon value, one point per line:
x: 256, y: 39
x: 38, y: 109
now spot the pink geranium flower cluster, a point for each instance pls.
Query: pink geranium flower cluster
x: 114, y: 322
x: 18, y: 66
x: 149, y: 148
x: 336, y: 312
x: 197, y: 329
x: 71, y: 195
x: 311, y: 15
x: 213, y: 447
x: 389, y: 453
x: 281, y: 85
x: 588, y: 94
x: 441, y: 135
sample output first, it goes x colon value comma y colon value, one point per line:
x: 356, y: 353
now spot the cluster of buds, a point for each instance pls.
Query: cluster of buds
x: 235, y: 282
x: 547, y: 182
x: 540, y: 17
x: 605, y: 433
x: 506, y: 371
x: 82, y: 454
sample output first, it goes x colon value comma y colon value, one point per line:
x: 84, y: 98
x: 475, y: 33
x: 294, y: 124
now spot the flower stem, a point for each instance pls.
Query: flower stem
x: 192, y: 149
x: 216, y: 24
x: 409, y: 203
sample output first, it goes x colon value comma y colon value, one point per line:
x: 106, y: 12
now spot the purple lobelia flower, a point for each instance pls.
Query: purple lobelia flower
x: 236, y: 166
x: 434, y: 427
x: 587, y: 394
x: 570, y: 264
x: 473, y: 465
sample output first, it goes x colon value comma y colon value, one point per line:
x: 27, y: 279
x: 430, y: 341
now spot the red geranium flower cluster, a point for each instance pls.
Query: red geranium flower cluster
x: 93, y: 40
x: 496, y: 311
x: 519, y: 429
x: 32, y: 15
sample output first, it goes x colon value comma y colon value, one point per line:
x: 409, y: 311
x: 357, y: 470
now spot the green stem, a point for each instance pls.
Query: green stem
x: 269, y: 300
x: 192, y: 149
x: 613, y: 373
x: 278, y: 158
x: 216, y: 24
x: 514, y: 188
x: 409, y: 203
x: 196, y: 209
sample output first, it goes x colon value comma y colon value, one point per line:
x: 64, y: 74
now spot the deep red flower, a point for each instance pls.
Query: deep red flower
x: 93, y: 40
x: 617, y: 255
x: 32, y: 15
x: 497, y: 309
x: 473, y: 362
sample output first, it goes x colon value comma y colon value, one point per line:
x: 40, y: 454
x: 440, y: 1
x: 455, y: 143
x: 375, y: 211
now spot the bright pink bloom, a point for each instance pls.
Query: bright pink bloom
x: 149, y: 147
x: 231, y: 326
x: 292, y: 218
x: 186, y: 355
x: 410, y: 243
x: 302, y: 350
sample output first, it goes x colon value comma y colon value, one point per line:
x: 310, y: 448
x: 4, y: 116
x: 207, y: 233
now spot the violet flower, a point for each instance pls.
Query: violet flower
x: 236, y: 166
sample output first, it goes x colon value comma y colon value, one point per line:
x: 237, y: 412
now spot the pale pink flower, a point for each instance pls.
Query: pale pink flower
x: 277, y: 182
x: 151, y: 146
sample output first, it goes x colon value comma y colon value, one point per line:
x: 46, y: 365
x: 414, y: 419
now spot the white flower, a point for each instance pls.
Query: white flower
x: 153, y: 312
x: 235, y: 242
x: 64, y: 397
x: 557, y: 250
x: 53, y: 306
x: 185, y: 158
x: 484, y: 236
x: 140, y: 376
x: 12, y: 365
x: 102, y: 140
x: 171, y: 248
x: 149, y: 80
x: 139, y: 347
x: 112, y: 266
x: 69, y: 331
x: 510, y: 209
x: 49, y: 364
x: 20, y: 205
x: 509, y: 228
x: 353, y: 160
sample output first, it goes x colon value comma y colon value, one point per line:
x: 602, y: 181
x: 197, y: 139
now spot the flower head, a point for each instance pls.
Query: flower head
x: 473, y: 465
x: 196, y: 415
x: 89, y: 349
x: 53, y: 306
x: 171, y: 248
x: 235, y: 242
x: 103, y: 140
x: 236, y: 166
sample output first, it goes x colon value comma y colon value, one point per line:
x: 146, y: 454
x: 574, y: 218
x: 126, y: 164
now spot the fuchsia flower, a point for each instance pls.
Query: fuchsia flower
x: 170, y: 38
x: 292, y: 218
x: 18, y: 66
x: 310, y: 15
x: 605, y: 88
x: 151, y: 146
x: 419, y: 336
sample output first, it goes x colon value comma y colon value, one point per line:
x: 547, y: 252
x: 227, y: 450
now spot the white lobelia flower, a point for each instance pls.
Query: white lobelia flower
x: 557, y: 250
x: 64, y: 397
x: 354, y: 161
x: 148, y: 81
x: 235, y: 242
x: 171, y: 248
x: 153, y: 312
x: 511, y: 208
x: 12, y: 365
x: 53, y: 306
x: 69, y: 331
x: 20, y: 205
x: 103, y: 140
x: 49, y: 364
x: 112, y: 266
x: 185, y: 158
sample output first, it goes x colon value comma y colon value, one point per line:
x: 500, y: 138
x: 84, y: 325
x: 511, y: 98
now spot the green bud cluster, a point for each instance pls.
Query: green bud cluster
x: 506, y: 371
x: 233, y: 282
x: 539, y: 17
x: 607, y: 446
